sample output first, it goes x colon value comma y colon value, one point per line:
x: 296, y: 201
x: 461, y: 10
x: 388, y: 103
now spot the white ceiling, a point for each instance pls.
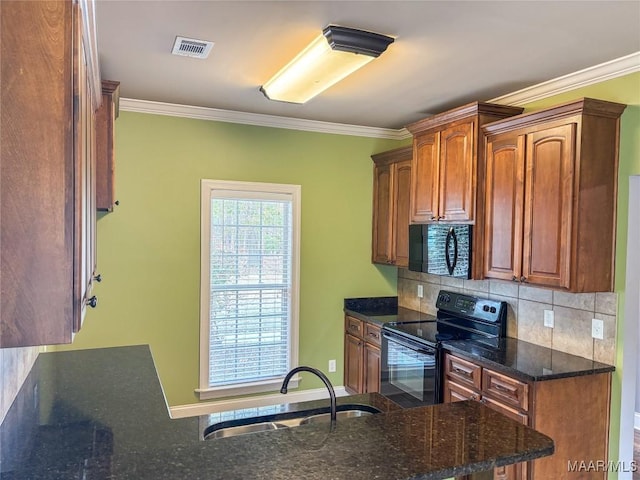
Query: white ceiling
x: 446, y: 53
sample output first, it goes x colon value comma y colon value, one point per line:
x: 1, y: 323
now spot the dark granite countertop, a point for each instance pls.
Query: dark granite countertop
x: 527, y: 361
x: 517, y: 358
x: 380, y: 310
x: 101, y: 414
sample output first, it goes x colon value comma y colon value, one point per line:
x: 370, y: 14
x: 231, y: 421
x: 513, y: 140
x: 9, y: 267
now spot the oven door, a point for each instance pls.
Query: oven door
x: 409, y: 371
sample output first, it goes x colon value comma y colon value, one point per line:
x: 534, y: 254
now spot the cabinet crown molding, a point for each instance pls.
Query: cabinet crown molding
x: 582, y: 106
x: 392, y: 156
x: 465, y: 111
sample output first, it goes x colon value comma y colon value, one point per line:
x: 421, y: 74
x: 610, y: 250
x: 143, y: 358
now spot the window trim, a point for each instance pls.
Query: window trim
x: 252, y: 188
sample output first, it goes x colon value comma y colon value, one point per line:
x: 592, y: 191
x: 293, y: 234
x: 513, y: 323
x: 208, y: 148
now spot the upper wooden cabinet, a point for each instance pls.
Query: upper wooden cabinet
x: 105, y: 154
x: 447, y: 163
x: 551, y: 187
x: 49, y: 81
x: 391, y: 183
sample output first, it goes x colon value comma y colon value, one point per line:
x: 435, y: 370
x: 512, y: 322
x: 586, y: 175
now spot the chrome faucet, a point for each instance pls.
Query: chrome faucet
x: 322, y: 377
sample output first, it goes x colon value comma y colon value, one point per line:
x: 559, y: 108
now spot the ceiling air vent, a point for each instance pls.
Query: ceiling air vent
x: 190, y: 47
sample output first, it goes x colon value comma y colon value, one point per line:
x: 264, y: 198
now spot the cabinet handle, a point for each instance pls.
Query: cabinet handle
x: 442, y: 217
x: 98, y: 278
x: 515, y: 279
x: 374, y: 335
x: 355, y: 328
x: 504, y: 388
x: 117, y: 202
x: 462, y: 371
x: 433, y: 217
x: 93, y: 302
x: 523, y: 279
x: 474, y: 397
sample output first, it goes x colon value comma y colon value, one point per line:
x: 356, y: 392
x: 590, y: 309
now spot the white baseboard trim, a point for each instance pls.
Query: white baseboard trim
x: 636, y: 421
x: 205, y: 408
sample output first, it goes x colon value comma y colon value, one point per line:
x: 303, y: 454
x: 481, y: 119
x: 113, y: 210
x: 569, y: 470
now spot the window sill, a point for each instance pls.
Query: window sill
x: 272, y: 385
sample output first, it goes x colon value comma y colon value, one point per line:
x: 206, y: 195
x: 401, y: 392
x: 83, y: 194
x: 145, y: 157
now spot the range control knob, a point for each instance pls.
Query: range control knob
x: 485, y: 308
x: 492, y: 309
x: 444, y: 298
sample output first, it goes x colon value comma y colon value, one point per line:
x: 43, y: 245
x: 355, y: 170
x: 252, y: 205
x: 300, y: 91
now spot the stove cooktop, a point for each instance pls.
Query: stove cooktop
x: 459, y: 317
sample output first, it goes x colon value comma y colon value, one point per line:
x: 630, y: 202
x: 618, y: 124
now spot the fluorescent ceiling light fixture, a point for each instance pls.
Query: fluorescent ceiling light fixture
x: 338, y: 52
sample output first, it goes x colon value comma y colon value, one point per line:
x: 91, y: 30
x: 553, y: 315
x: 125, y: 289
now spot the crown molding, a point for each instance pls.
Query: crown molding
x: 582, y: 78
x: 258, y: 119
x: 598, y: 73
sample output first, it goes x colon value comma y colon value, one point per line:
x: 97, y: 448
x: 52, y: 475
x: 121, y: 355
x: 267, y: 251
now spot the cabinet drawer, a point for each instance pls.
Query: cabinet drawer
x: 506, y: 389
x: 457, y: 393
x: 354, y: 326
x: 512, y: 413
x: 372, y: 334
x: 463, y: 371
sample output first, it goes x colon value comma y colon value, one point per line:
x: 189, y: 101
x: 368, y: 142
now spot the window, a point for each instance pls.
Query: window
x: 250, y: 235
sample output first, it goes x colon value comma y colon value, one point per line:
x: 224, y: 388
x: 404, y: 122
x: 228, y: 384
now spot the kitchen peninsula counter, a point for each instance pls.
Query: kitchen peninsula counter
x: 101, y: 414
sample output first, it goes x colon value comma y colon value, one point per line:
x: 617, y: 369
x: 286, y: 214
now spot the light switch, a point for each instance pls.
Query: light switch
x: 420, y: 291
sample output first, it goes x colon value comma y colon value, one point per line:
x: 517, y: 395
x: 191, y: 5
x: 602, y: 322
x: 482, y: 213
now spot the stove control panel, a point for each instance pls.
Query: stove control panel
x: 471, y: 306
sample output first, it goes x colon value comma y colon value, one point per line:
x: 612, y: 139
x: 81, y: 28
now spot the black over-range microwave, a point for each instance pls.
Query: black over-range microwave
x: 441, y: 249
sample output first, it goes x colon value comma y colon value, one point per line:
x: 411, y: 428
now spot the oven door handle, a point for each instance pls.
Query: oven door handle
x: 416, y: 347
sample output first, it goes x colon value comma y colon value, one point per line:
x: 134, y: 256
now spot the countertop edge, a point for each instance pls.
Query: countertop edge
x: 519, y: 373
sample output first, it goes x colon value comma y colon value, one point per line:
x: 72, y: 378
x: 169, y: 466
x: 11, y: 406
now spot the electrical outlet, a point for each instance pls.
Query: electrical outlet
x: 332, y: 366
x: 597, y: 329
x: 548, y: 318
x: 420, y: 291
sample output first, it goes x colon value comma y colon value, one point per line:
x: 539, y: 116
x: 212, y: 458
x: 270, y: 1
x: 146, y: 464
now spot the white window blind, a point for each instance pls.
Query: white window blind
x: 251, y: 313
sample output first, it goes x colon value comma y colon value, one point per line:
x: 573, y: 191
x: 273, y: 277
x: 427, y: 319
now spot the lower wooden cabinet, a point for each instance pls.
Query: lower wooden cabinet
x: 573, y: 411
x: 361, y: 356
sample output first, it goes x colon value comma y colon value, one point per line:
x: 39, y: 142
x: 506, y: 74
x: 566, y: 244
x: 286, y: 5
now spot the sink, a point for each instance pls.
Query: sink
x: 326, y: 417
x: 280, y: 421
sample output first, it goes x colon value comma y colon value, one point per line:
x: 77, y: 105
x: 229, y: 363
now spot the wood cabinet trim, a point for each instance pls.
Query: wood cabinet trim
x: 393, y: 156
x: 560, y: 112
x: 463, y: 112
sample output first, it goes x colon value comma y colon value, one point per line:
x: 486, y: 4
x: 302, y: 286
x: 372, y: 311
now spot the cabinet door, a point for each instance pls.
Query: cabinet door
x: 353, y: 369
x: 504, y: 207
x: 37, y: 172
x: 105, y: 156
x: 457, y: 173
x: 402, y: 189
x: 517, y: 471
x: 382, y: 192
x: 548, y: 209
x: 424, y: 178
x: 85, y: 180
x: 371, y: 368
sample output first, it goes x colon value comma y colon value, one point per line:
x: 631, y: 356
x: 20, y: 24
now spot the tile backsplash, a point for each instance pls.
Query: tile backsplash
x: 573, y: 312
x: 15, y: 365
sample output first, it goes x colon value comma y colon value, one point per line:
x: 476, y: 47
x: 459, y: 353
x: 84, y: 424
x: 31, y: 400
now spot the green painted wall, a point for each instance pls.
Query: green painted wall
x: 149, y: 248
x: 623, y: 90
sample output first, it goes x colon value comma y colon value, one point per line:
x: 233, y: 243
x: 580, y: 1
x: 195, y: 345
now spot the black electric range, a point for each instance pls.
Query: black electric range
x: 411, y: 351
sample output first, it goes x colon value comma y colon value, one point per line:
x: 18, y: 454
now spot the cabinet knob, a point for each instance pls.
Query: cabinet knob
x: 98, y: 278
x: 117, y: 202
x: 93, y: 302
